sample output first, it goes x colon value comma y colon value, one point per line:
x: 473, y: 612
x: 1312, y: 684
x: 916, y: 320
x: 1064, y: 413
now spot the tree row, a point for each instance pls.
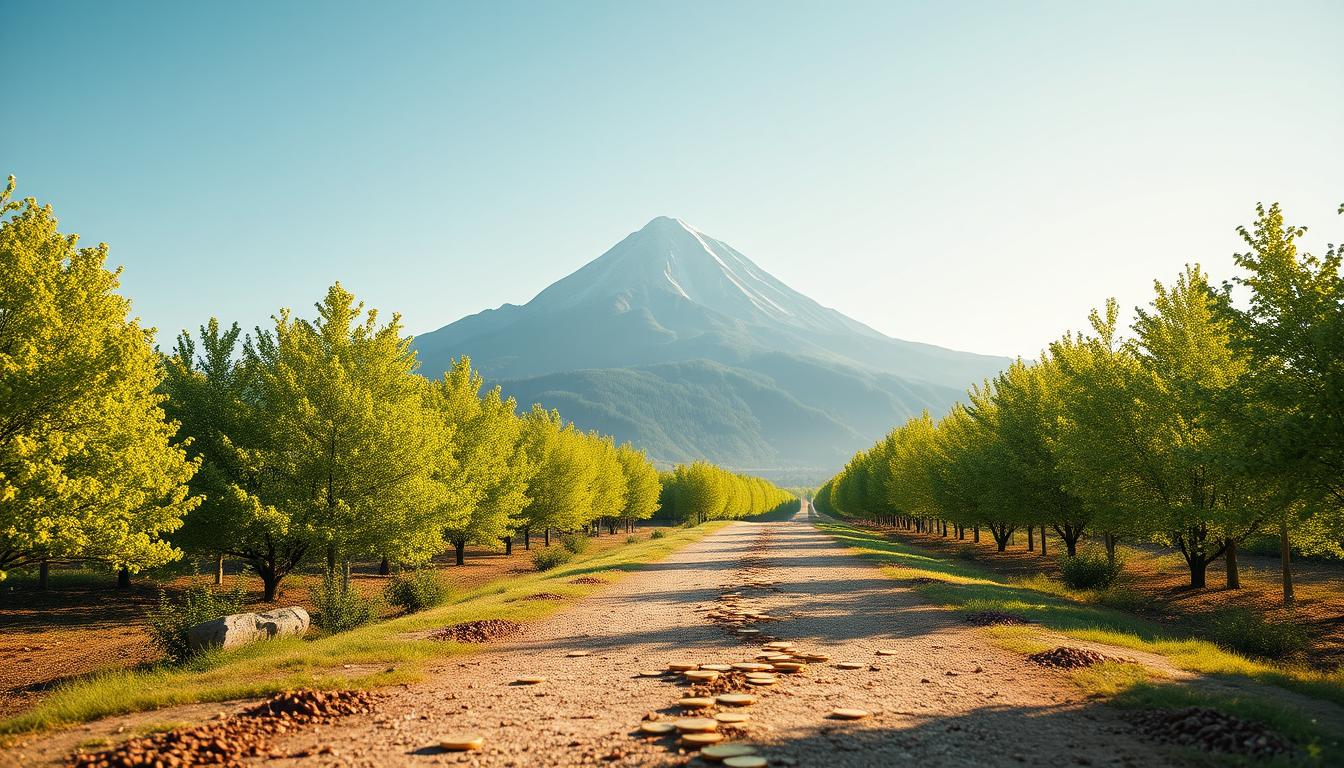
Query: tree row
x: 1219, y: 416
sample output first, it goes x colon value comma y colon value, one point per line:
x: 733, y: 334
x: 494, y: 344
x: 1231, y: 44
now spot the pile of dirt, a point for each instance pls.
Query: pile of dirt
x: 587, y: 580
x: 482, y: 631
x: 1212, y: 731
x: 994, y: 618
x: 1065, y: 657
x: 924, y: 580
x: 228, y: 742
x: 728, y: 682
x: 545, y: 596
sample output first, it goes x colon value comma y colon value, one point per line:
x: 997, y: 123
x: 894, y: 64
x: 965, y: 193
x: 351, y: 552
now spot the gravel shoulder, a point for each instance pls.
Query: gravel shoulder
x: 948, y: 697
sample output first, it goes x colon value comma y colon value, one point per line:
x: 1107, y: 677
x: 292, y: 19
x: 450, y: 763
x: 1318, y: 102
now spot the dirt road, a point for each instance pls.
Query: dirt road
x: 947, y: 698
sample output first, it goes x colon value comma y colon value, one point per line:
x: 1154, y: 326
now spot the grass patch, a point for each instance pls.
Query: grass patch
x: 381, y: 653
x: 965, y: 587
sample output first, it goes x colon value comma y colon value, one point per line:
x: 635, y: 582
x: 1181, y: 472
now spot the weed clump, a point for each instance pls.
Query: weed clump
x: 171, y: 620
x: 415, y: 591
x: 337, y: 608
x: 1251, y: 633
x: 1088, y: 571
x: 546, y: 559
x: 657, y: 534
x: 576, y: 545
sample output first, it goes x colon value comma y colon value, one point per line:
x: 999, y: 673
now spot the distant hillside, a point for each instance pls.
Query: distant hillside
x: 679, y: 343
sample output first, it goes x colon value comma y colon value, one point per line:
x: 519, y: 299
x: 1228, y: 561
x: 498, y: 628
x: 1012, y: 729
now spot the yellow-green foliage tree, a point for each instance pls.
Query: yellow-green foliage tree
x: 561, y: 490
x: 698, y: 492
x: 642, y: 486
x: 89, y: 469
x: 484, y: 470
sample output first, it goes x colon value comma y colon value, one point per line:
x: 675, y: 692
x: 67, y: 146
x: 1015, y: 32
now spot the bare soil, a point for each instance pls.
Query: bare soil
x: 84, y: 624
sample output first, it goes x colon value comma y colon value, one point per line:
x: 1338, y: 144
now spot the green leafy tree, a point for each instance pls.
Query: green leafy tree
x: 89, y: 469
x: 642, y: 486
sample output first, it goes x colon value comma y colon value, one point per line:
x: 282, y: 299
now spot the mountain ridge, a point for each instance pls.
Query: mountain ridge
x: 670, y: 294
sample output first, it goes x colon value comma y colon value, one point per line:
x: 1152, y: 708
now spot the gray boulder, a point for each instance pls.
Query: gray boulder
x: 243, y: 628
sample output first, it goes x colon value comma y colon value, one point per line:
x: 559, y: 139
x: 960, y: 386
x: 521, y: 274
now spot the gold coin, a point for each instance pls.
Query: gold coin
x: 576, y: 654
x: 736, y: 699
x: 529, y: 681
x: 745, y: 761
x: 848, y: 665
x: 682, y: 666
x: 725, y: 751
x: 717, y: 667
x: 887, y: 652
x: 461, y: 743
x: 732, y: 717
x: 761, y: 681
x: 652, y: 673
x: 702, y: 675
x: 701, y: 739
x: 695, y: 724
x: 850, y: 714
x: 789, y: 666
x: 657, y: 729
x: 751, y: 666
x: 696, y: 702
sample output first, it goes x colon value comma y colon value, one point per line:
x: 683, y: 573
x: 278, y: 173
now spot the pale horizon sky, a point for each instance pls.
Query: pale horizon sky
x: 973, y: 175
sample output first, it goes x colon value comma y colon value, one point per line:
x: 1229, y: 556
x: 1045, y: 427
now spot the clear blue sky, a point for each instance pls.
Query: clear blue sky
x: 975, y: 175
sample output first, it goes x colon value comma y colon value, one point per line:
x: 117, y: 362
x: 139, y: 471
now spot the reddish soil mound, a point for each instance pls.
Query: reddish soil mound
x: 587, y: 580
x: 728, y: 682
x: 1065, y: 657
x: 993, y: 618
x: 544, y: 596
x: 482, y: 631
x: 227, y: 742
x: 1212, y: 731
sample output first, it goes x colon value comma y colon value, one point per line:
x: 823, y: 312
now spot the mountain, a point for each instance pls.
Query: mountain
x: 679, y: 343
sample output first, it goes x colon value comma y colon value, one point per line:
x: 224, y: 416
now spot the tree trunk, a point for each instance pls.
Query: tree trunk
x: 385, y: 567
x: 527, y: 537
x: 331, y: 559
x: 508, y: 545
x: 1199, y: 575
x: 43, y: 574
x: 124, y: 578
x: 1043, y: 552
x: 1286, y: 560
x: 1109, y: 539
x: 345, y: 575
x: 219, y: 571
x: 976, y: 530
x: 1031, y: 538
x: 269, y: 585
x: 460, y: 549
x: 548, y: 536
x: 1230, y: 557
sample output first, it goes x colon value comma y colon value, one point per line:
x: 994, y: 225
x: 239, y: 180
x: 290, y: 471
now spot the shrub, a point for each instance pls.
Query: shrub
x: 171, y: 620
x: 415, y: 591
x: 546, y: 559
x: 576, y: 544
x: 1088, y: 571
x: 657, y: 534
x: 1251, y: 633
x: 336, y: 607
x: 631, y: 539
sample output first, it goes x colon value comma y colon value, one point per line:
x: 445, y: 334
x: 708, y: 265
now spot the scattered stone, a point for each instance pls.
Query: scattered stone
x: 848, y: 665
x: 544, y: 596
x: 587, y: 580
x: 887, y: 652
x: 577, y: 654
x: 531, y: 680
x: 736, y: 699
x: 745, y: 761
x: 482, y: 631
x: 842, y: 713
x: 1213, y: 731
